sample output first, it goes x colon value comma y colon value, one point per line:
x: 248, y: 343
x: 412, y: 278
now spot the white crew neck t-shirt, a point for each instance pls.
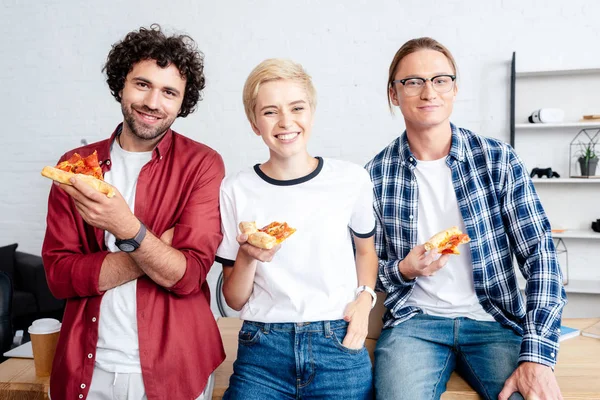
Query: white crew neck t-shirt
x: 313, y: 275
x: 450, y: 292
x: 118, y: 348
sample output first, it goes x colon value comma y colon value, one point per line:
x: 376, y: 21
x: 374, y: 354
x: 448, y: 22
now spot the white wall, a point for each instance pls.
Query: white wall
x: 54, y: 94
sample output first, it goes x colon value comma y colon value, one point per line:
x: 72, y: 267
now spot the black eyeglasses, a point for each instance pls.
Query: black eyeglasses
x: 414, y: 86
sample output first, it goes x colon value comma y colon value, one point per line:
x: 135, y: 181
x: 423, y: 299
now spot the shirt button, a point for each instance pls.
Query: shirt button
x: 83, y: 385
x: 107, y: 162
x: 411, y: 159
x: 90, y: 355
x: 93, y: 319
x: 552, y: 355
x: 81, y: 396
x: 100, y: 162
x: 411, y: 217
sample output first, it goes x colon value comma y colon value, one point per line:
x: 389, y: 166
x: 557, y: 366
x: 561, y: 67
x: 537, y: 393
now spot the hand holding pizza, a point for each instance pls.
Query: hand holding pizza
x: 420, y: 263
x: 262, y: 244
x: 110, y: 214
x: 256, y: 253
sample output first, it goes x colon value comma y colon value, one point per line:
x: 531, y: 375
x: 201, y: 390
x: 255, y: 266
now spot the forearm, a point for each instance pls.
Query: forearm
x: 239, y: 282
x: 162, y: 263
x: 117, y: 269
x: 366, y: 268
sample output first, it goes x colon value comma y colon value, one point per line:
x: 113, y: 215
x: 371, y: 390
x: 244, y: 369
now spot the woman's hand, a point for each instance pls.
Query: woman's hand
x: 357, y: 314
x: 253, y: 252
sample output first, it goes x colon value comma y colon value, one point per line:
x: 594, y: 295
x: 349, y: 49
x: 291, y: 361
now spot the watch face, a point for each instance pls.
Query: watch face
x: 126, y: 247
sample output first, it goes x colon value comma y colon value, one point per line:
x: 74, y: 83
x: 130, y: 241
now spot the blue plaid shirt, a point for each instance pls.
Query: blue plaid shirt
x: 502, y: 215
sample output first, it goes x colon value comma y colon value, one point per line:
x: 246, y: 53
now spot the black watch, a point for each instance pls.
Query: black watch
x: 129, y: 245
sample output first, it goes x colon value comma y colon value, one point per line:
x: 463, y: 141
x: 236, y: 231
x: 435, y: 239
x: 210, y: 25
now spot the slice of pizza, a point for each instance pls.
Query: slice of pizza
x: 447, y: 241
x: 86, y: 169
x: 268, y: 236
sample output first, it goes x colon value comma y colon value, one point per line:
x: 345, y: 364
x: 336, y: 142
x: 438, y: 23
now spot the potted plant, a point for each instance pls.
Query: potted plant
x: 588, y: 159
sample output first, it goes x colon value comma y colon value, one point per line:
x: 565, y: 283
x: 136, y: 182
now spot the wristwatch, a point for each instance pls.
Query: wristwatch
x: 365, y: 288
x: 129, y: 245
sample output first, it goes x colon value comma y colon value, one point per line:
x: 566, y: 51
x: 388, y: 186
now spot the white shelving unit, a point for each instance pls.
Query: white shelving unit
x: 541, y: 145
x: 557, y: 72
x: 580, y: 125
x: 554, y: 181
x: 577, y: 234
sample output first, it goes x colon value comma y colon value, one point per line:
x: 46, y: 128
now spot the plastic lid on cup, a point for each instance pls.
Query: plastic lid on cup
x: 44, y: 326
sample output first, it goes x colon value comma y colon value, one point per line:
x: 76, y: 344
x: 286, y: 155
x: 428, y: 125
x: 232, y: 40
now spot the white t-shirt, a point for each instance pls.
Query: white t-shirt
x: 450, y: 291
x: 118, y: 348
x: 313, y: 276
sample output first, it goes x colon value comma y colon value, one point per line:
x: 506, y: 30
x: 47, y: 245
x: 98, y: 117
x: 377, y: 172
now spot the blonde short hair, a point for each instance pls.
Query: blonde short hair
x: 274, y: 69
x: 412, y: 46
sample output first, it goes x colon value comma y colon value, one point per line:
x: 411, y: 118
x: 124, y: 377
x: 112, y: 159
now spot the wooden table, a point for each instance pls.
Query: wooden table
x: 577, y: 371
x: 18, y: 381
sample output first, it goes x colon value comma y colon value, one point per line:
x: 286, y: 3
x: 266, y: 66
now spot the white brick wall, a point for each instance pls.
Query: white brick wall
x: 54, y: 94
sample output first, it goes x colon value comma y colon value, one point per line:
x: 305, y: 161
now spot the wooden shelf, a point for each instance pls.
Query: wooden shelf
x: 557, y: 72
x: 573, y: 124
x: 564, y: 180
x: 577, y: 234
x: 574, y: 285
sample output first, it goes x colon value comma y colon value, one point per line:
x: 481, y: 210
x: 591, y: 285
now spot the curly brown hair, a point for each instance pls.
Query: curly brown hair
x: 152, y: 44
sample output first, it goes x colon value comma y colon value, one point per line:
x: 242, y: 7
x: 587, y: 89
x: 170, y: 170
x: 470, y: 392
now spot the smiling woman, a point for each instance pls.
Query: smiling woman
x: 305, y: 289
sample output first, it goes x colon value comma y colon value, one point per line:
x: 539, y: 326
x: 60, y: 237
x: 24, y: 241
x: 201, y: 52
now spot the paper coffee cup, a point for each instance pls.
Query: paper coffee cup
x: 44, y: 337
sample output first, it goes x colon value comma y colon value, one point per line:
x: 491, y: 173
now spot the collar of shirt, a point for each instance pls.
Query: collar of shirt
x: 457, y: 148
x: 161, y: 149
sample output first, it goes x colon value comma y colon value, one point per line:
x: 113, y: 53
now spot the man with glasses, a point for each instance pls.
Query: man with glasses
x: 459, y: 312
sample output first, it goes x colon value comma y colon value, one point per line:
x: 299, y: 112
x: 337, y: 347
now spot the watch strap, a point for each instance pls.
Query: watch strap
x: 365, y: 288
x: 134, y: 242
x: 141, y: 234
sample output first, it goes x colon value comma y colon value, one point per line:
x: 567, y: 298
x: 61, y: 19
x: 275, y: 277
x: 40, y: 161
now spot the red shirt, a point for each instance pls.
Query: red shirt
x: 180, y: 344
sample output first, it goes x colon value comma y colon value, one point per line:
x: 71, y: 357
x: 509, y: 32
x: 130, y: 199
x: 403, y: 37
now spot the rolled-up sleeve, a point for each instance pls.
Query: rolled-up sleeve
x: 69, y: 270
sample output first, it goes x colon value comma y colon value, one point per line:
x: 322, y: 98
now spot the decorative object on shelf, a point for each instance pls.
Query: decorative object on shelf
x: 547, y: 116
x: 541, y: 172
x: 591, y: 118
x: 583, y: 149
x: 562, y: 256
x: 596, y: 225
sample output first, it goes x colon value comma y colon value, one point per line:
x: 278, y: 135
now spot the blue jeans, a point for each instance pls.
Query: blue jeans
x: 299, y: 361
x: 414, y: 359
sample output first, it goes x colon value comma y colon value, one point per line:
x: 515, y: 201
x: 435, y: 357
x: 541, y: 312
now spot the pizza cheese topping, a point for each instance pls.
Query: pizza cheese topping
x: 86, y: 166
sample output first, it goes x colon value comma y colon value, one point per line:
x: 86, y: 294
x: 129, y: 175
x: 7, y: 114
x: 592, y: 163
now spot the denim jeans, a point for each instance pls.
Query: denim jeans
x: 298, y: 361
x: 414, y: 359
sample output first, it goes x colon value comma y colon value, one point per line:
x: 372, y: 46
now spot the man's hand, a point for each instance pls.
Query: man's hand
x: 419, y: 263
x: 255, y: 253
x: 357, y: 314
x: 110, y: 214
x: 534, y: 381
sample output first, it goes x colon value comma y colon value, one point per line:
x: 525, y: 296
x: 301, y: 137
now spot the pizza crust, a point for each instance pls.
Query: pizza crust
x: 248, y: 227
x: 262, y: 240
x: 436, y: 240
x: 61, y: 176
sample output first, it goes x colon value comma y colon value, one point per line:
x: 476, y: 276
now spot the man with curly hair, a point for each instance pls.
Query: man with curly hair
x: 133, y: 267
